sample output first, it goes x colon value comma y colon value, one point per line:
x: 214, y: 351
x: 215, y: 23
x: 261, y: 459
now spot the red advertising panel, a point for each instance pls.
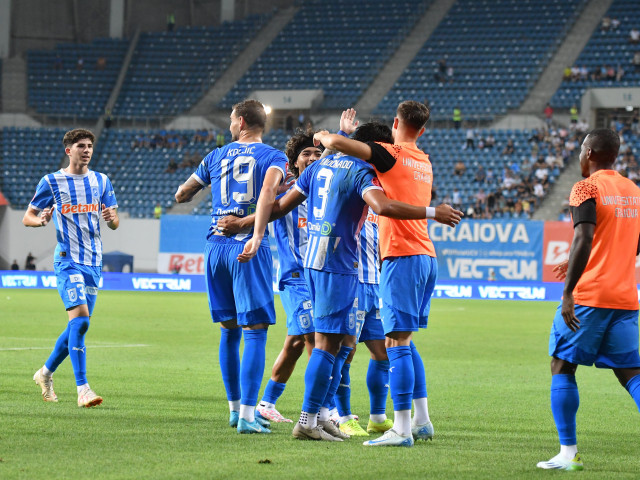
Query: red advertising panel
x: 557, y: 241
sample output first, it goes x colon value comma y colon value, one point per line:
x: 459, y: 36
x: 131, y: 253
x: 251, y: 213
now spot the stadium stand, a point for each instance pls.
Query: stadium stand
x: 170, y: 71
x: 607, y: 56
x: 74, y: 80
x: 27, y: 155
x: 496, y: 48
x: 310, y: 54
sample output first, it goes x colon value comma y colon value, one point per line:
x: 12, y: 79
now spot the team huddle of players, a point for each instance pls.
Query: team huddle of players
x: 356, y: 265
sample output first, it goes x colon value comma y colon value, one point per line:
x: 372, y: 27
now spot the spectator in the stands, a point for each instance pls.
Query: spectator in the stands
x: 459, y: 168
x: 29, y: 263
x: 634, y: 36
x: 480, y: 175
x: 605, y: 25
x: 548, y: 114
x: 470, y: 143
x: 14, y: 265
x: 172, y: 167
x: 509, y: 148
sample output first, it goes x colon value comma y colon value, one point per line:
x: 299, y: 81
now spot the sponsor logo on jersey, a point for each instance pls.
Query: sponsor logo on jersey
x: 302, y: 222
x: 79, y: 208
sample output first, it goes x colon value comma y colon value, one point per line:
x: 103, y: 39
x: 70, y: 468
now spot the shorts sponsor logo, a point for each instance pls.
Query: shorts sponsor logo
x: 355, y: 302
x: 378, y: 314
x: 79, y: 208
x: 352, y: 321
x: 360, y: 315
x: 307, y: 305
x: 76, y: 278
x: 91, y: 290
x: 72, y: 294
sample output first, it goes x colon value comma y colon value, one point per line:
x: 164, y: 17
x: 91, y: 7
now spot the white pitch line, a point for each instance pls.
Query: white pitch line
x: 134, y: 345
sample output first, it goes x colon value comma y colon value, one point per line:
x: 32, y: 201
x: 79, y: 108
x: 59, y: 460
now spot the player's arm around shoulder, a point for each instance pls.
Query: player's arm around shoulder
x: 37, y: 218
x: 342, y: 144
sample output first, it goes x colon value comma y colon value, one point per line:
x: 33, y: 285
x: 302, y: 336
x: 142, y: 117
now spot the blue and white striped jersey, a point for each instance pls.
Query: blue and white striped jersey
x: 368, y: 253
x: 236, y: 173
x: 78, y: 203
x: 291, y: 239
x: 334, y: 187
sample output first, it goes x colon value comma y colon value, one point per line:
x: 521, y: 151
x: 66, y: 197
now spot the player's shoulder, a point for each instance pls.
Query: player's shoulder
x: 582, y: 191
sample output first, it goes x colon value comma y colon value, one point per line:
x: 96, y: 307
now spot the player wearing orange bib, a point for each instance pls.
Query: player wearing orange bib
x: 409, y: 268
x: 597, y: 321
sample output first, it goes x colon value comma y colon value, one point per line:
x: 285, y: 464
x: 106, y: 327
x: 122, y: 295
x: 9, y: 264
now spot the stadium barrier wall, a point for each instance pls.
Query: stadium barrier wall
x: 196, y: 283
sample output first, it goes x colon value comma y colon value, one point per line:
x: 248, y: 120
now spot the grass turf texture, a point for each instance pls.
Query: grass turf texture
x: 165, y: 412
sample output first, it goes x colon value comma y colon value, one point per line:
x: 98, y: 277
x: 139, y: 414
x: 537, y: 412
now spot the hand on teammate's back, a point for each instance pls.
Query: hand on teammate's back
x: 230, y: 225
x: 561, y: 270
x: 448, y: 215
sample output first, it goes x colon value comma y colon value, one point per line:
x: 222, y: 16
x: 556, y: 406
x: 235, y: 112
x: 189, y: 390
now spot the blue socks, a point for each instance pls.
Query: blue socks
x: 378, y: 385
x: 252, y: 366
x: 272, y: 391
x: 565, y: 401
x: 420, y: 388
x: 401, y: 377
x: 343, y: 394
x: 60, y: 351
x: 336, y: 376
x: 633, y: 387
x: 317, y: 378
x: 229, y: 357
x: 77, y: 329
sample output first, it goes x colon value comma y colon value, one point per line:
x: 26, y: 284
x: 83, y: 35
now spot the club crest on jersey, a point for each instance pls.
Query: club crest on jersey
x: 95, y: 192
x: 79, y: 208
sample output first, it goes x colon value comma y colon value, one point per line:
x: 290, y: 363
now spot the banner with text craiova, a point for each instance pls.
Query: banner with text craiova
x: 489, y: 250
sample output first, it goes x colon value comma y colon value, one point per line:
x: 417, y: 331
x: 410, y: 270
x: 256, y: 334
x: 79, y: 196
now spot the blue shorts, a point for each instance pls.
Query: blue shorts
x: 606, y: 337
x: 243, y: 291
x: 77, y: 284
x: 406, y: 285
x: 297, y: 304
x: 368, y: 319
x: 334, y: 299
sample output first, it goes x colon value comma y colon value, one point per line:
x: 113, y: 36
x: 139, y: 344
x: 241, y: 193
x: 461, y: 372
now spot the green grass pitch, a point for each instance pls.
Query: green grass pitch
x: 153, y: 357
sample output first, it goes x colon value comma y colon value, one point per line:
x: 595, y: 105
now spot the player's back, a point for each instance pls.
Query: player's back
x: 410, y: 180
x: 609, y: 278
x: 236, y: 173
x: 334, y: 187
x: 290, y: 233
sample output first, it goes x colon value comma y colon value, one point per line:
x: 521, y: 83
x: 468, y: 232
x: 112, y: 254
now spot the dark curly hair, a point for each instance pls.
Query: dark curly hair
x: 75, y: 135
x: 297, y: 143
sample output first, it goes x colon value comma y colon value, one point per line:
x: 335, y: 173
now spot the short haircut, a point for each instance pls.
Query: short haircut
x: 605, y: 143
x: 253, y: 113
x: 296, y: 144
x: 77, y: 134
x: 373, y: 132
x: 414, y: 114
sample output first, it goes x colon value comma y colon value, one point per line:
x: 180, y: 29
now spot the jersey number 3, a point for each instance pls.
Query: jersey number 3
x: 325, y: 176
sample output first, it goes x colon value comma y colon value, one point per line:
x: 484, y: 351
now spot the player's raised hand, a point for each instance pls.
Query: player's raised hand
x: 318, y: 136
x: 561, y: 270
x: 289, y: 180
x: 568, y: 312
x: 448, y: 215
x: 45, y: 216
x: 250, y: 250
x: 348, y: 122
x: 108, y: 213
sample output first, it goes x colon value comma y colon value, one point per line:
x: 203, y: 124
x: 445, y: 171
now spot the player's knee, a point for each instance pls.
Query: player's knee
x: 81, y: 324
x: 295, y: 346
x: 562, y: 367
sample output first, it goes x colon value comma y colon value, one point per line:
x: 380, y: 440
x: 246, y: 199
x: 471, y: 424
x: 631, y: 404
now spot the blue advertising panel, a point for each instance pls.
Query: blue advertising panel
x: 489, y: 250
x: 478, y: 290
